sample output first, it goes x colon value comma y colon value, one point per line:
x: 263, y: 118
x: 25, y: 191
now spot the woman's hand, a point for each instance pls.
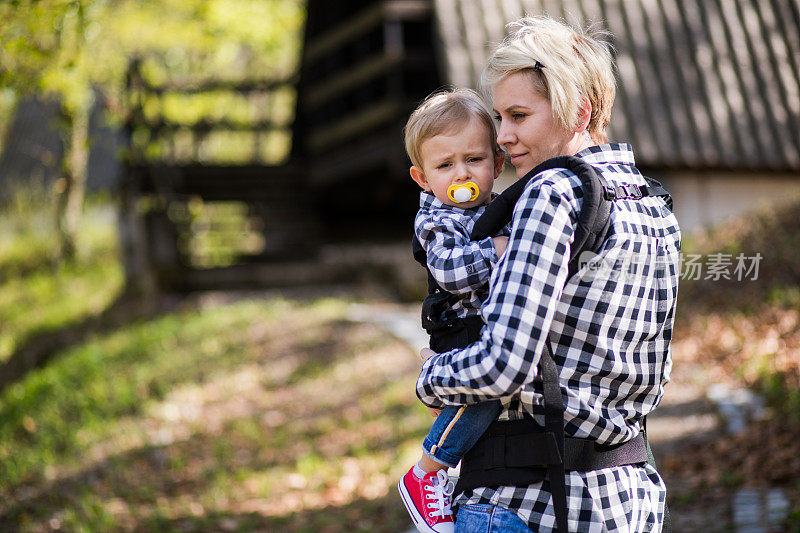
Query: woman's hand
x: 425, y: 354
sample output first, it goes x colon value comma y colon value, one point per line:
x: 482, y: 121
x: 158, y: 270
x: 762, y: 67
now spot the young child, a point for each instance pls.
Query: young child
x: 451, y: 141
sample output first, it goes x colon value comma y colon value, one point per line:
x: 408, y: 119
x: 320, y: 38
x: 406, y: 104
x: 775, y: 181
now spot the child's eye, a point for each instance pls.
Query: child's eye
x: 476, y: 159
x: 443, y: 165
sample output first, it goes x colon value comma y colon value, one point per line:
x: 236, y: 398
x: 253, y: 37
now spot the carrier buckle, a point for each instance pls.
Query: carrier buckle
x: 633, y: 191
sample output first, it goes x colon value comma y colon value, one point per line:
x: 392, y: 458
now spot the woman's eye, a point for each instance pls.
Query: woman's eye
x: 497, y: 118
x: 518, y: 116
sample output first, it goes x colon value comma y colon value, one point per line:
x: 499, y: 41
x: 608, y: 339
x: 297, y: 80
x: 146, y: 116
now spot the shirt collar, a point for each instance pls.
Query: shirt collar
x: 619, y: 153
x: 429, y: 201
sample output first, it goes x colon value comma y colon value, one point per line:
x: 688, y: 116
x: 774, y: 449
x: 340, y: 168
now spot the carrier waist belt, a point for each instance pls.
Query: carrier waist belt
x: 518, y: 452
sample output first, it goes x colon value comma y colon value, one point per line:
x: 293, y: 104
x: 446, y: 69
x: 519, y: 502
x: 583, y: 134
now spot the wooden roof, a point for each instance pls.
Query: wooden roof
x: 703, y: 84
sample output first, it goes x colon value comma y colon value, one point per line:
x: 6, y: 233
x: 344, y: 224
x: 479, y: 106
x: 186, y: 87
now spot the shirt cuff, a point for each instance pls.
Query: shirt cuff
x: 488, y: 250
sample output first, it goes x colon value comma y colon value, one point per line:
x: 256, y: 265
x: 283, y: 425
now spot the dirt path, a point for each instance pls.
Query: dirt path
x: 686, y: 418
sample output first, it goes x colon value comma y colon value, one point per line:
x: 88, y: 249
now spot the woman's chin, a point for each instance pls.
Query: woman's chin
x: 522, y: 171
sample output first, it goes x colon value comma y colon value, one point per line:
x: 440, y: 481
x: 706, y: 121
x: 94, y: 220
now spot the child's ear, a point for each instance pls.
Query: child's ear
x: 499, y: 159
x: 419, y: 176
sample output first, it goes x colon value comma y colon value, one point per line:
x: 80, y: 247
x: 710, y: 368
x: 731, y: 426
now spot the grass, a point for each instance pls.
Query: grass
x: 39, y: 294
x: 254, y: 415
x: 251, y: 415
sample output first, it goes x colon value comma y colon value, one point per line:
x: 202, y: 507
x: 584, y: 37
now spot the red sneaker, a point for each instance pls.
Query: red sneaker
x: 428, y: 501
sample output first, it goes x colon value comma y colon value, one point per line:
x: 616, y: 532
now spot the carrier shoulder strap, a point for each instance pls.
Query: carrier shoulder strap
x: 593, y: 215
x: 554, y: 424
x: 594, y: 219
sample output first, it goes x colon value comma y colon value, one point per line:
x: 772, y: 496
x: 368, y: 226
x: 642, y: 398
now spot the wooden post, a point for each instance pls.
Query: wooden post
x: 139, y: 278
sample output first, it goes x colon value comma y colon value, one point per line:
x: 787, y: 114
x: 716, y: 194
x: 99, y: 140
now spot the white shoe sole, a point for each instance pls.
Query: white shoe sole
x: 419, y: 520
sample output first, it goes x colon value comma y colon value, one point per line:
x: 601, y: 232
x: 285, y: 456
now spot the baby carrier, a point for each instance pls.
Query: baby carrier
x: 521, y: 452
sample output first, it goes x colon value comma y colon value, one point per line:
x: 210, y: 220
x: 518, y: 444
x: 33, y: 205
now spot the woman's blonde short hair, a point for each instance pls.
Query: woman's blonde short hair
x: 565, y: 64
x: 446, y: 111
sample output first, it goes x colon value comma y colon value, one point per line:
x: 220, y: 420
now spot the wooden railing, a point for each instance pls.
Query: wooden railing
x: 208, y: 181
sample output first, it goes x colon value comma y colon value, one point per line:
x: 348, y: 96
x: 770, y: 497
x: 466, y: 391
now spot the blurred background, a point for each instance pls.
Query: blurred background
x: 205, y: 270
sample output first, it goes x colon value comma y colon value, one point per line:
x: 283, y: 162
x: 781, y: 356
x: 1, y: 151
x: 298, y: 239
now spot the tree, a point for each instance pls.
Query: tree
x: 44, y: 47
x: 68, y: 49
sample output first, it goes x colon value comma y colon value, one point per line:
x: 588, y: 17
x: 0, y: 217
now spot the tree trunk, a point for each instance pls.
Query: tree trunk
x: 71, y: 187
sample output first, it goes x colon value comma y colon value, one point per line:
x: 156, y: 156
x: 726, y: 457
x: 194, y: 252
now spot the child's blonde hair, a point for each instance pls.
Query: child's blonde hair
x: 565, y: 65
x: 444, y: 112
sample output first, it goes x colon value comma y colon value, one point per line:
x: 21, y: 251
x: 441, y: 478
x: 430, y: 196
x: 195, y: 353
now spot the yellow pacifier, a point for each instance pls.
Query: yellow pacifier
x: 463, y: 192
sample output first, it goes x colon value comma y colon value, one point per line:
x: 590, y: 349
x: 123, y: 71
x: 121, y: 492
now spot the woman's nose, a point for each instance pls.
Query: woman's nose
x: 504, y: 134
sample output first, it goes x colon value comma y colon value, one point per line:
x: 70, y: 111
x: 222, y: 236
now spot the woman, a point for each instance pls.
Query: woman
x: 609, y: 328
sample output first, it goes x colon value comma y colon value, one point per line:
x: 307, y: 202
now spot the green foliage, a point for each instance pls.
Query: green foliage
x: 65, y: 48
x: 38, y: 294
x: 219, y: 232
x: 174, y: 422
x: 69, y: 49
x: 775, y: 385
x: 45, y: 48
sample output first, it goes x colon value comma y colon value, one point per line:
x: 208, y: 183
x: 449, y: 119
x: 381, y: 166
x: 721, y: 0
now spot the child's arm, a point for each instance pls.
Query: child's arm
x: 501, y: 239
x: 458, y: 264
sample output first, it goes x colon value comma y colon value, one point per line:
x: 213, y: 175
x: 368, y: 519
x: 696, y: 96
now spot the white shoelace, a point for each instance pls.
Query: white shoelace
x: 440, y: 492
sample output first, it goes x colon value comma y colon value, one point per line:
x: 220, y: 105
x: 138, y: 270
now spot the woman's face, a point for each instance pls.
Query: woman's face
x: 527, y: 129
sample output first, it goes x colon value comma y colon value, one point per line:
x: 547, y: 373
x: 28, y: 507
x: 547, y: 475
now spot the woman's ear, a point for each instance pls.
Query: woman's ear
x: 499, y: 159
x: 419, y: 176
x: 584, y: 115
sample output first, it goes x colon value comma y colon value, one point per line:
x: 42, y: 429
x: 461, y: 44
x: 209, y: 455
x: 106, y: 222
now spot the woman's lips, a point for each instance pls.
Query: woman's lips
x: 514, y: 158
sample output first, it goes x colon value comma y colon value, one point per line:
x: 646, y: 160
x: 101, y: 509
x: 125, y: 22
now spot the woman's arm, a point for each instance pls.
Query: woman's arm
x: 519, y: 311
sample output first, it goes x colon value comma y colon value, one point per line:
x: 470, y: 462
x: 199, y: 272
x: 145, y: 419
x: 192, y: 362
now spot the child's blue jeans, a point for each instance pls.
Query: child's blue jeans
x: 457, y: 429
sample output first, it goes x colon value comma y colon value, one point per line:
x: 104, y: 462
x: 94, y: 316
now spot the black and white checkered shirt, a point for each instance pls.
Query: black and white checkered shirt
x: 610, y: 328
x: 459, y: 265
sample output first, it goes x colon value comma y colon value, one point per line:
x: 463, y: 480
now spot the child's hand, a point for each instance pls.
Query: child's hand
x: 500, y: 244
x: 425, y: 354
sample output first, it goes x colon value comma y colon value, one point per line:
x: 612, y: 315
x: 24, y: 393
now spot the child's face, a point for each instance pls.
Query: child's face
x: 465, y: 155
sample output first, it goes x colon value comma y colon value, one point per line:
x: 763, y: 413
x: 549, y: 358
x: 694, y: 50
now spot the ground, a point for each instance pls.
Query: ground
x: 277, y: 411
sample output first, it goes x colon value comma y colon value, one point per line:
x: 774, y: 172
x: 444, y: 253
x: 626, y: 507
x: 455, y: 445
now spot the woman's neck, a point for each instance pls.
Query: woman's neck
x: 580, y: 141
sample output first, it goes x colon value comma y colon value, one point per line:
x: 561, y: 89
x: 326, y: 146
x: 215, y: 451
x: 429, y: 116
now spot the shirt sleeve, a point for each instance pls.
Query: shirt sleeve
x: 524, y: 293
x: 458, y: 264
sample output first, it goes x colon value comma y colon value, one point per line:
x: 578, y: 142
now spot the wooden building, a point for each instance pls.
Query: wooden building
x: 708, y: 95
x: 708, y: 90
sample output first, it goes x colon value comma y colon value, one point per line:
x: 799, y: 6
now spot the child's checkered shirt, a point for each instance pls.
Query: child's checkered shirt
x: 459, y: 265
